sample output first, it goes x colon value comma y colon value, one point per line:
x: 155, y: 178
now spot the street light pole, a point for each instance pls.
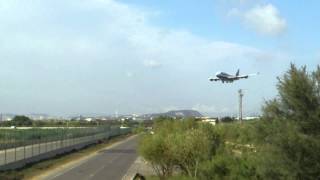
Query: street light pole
x: 240, y: 104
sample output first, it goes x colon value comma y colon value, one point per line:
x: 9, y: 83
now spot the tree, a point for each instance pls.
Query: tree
x: 298, y: 101
x: 184, y: 144
x: 227, y: 119
x: 291, y: 125
x: 21, y: 121
x: 155, y: 151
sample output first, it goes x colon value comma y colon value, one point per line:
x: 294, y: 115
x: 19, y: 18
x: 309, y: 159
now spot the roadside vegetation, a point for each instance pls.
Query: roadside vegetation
x: 283, y: 144
x: 24, y: 121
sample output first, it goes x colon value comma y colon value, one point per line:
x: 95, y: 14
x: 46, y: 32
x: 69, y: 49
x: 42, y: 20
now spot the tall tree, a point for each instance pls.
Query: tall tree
x: 298, y: 99
x: 292, y: 123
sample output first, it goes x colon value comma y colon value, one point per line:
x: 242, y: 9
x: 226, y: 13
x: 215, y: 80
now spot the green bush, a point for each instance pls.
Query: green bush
x: 182, y: 144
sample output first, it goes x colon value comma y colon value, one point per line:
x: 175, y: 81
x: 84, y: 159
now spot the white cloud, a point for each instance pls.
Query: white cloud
x: 129, y: 74
x: 264, y: 19
x: 111, y: 29
x: 75, y: 51
x: 234, y: 12
x: 152, y: 64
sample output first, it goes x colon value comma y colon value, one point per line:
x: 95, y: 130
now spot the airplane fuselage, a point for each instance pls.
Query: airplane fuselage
x: 228, y: 78
x: 225, y: 77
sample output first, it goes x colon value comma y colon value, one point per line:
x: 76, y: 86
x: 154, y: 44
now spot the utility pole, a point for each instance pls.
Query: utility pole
x: 240, y: 104
x: 116, y: 114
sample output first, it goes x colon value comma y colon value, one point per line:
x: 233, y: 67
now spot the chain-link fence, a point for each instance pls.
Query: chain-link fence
x: 21, y: 144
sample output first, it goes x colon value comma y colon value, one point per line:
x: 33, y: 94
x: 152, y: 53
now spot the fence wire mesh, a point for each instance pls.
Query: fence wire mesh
x: 20, y: 144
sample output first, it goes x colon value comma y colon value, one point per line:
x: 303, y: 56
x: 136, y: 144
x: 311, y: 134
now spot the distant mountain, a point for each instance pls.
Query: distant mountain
x: 176, y: 113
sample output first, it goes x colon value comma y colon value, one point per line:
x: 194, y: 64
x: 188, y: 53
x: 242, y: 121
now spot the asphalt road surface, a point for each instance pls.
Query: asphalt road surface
x: 109, y: 164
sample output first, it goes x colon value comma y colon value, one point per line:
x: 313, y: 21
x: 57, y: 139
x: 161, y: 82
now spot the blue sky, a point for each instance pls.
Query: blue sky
x: 143, y: 56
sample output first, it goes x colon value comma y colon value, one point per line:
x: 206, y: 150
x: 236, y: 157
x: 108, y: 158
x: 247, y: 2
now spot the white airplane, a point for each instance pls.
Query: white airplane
x: 228, y: 78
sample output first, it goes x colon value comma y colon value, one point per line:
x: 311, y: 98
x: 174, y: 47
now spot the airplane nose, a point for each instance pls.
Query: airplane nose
x: 218, y: 73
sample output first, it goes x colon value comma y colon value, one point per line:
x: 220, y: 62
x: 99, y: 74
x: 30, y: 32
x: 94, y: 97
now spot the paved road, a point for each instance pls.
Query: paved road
x: 109, y: 164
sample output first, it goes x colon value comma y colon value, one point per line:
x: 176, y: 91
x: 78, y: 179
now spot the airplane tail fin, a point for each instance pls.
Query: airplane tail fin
x: 238, y: 72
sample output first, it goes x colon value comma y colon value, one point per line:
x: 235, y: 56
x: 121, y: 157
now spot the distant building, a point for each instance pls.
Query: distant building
x: 135, y: 115
x: 248, y: 118
x: 210, y: 120
x: 89, y: 119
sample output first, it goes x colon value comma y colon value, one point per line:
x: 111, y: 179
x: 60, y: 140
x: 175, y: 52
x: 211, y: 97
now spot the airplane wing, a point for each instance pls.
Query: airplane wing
x: 246, y: 76
x: 214, y: 79
x: 243, y: 77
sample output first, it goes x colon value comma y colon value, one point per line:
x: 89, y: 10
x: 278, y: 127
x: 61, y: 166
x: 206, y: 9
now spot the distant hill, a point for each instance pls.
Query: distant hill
x: 184, y: 113
x: 176, y: 113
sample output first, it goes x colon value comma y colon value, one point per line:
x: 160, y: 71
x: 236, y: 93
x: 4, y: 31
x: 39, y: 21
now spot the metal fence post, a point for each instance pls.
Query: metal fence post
x: 5, y: 148
x: 15, y: 145
x: 62, y: 132
x: 45, y: 141
x: 51, y: 145
x: 53, y: 141
x: 72, y: 138
x: 2, y: 145
x: 60, y: 137
x: 24, y: 146
x: 65, y: 137
x: 39, y: 141
x: 32, y: 135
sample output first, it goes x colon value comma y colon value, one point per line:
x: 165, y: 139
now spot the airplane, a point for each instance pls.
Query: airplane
x: 228, y: 78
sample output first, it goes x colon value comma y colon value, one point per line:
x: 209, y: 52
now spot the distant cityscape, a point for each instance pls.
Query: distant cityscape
x: 134, y: 117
